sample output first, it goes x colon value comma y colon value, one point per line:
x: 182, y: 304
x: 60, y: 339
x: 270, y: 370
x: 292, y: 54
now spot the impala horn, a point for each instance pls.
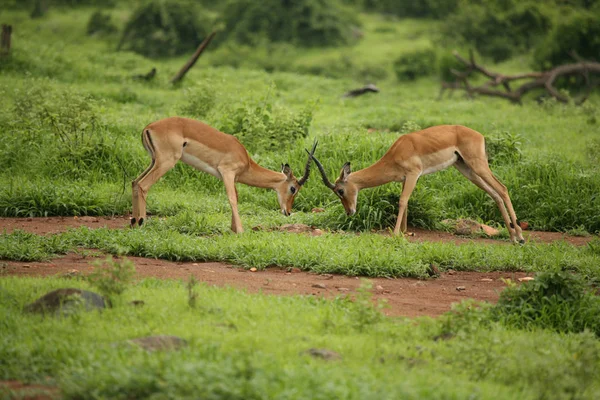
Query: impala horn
x: 323, y: 174
x: 303, y: 180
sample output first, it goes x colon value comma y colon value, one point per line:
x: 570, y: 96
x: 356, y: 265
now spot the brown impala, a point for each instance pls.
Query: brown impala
x: 421, y: 153
x: 219, y: 154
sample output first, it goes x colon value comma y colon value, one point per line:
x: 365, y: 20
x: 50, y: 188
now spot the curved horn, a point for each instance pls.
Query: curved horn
x: 303, y: 180
x: 323, y: 174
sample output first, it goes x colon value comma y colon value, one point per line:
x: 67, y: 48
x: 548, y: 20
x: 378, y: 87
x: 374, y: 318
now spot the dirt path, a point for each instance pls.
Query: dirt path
x: 43, y: 226
x: 405, y: 297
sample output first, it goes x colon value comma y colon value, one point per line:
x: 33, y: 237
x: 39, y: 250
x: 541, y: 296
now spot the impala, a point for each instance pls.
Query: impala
x: 421, y: 153
x: 219, y: 154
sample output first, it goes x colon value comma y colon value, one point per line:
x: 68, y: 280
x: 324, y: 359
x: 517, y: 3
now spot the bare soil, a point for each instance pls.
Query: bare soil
x: 405, y: 297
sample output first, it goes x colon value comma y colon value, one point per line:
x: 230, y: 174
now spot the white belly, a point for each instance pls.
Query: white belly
x: 199, y: 164
x: 439, y: 161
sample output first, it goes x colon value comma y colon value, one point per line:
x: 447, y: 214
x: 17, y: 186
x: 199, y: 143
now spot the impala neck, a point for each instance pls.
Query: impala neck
x: 258, y: 176
x: 376, y: 175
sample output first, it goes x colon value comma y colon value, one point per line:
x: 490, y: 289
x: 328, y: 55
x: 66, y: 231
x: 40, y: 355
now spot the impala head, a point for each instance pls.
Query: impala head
x: 287, y: 190
x: 345, y: 190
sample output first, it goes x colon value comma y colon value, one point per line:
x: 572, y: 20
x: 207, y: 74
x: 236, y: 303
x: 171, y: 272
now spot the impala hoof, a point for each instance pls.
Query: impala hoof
x: 141, y: 221
x: 522, y: 241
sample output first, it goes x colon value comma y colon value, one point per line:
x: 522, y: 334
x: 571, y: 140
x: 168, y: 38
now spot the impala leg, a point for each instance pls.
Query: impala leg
x: 484, y: 172
x: 409, y: 185
x: 404, y: 224
x: 135, y: 194
x: 236, y: 222
x: 142, y: 184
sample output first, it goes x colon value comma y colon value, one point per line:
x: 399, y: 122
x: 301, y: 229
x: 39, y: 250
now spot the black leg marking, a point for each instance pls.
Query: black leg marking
x: 512, y: 225
x: 184, y: 144
x: 141, y: 221
x: 522, y: 241
x: 132, y: 221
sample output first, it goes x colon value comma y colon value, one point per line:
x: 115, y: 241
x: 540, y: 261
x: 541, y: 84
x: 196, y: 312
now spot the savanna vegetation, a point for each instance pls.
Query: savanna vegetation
x: 72, y: 109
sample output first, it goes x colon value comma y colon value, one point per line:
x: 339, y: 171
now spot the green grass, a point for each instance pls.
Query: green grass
x: 253, y: 346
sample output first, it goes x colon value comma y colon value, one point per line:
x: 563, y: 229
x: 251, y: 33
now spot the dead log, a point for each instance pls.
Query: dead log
x: 5, y: 39
x: 365, y: 89
x: 534, y: 80
x: 179, y: 76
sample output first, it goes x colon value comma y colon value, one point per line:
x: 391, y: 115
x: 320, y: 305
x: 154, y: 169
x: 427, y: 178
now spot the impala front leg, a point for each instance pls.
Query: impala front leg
x: 236, y: 222
x: 409, y: 185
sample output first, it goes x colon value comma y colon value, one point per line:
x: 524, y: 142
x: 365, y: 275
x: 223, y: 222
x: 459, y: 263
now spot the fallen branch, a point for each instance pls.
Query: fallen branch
x: 146, y: 77
x: 536, y: 80
x: 358, y: 92
x: 193, y: 59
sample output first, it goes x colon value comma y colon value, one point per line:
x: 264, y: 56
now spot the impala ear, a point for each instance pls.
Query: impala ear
x: 285, y: 168
x: 345, y: 172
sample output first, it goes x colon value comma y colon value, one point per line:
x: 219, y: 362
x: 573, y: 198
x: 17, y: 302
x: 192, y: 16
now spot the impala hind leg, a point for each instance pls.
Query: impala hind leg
x: 142, y: 184
x: 407, y: 188
x: 404, y: 223
x: 484, y: 172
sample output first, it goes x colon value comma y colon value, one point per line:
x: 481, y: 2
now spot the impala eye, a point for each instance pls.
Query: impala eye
x: 340, y: 192
x: 292, y: 189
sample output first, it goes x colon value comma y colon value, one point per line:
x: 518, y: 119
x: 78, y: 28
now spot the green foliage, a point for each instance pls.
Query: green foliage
x: 199, y: 101
x: 576, y: 33
x: 411, y: 66
x: 408, y: 8
x: 504, y: 148
x: 162, y: 28
x: 498, y: 28
x: 305, y: 23
x: 111, y: 277
x: 554, y: 300
x: 263, y: 127
x: 100, y: 23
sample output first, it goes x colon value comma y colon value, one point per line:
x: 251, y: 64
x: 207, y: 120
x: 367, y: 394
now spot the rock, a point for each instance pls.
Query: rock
x: 343, y: 289
x: 323, y: 353
x: 89, y: 219
x: 469, y: 227
x: 461, y: 288
x: 317, y: 210
x: 160, y: 342
x: 316, y: 232
x: 319, y: 286
x: 253, y: 269
x: 326, y: 276
x: 379, y: 287
x: 66, y: 301
x: 295, y: 228
x: 294, y: 270
x: 524, y: 225
x: 487, y: 280
x: 72, y: 273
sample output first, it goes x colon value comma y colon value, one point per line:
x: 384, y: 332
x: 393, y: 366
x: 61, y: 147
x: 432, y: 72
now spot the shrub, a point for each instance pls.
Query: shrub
x: 411, y: 8
x: 100, y: 23
x: 503, y: 148
x: 578, y: 32
x: 498, y: 28
x: 262, y: 127
x: 303, y: 22
x: 199, y: 101
x: 555, y: 300
x: 112, y: 278
x: 411, y: 66
x: 161, y: 28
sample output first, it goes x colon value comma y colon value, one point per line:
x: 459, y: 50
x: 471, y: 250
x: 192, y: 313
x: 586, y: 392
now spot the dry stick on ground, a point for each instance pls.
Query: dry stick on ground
x: 193, y: 59
x: 537, y: 80
x: 5, y: 42
x: 365, y: 89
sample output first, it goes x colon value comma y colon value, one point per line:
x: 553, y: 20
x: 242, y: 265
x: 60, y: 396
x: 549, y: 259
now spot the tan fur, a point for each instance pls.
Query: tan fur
x: 428, y: 151
x: 207, y: 149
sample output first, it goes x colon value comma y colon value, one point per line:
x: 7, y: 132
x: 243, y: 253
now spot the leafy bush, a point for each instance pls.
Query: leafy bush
x: 498, y: 28
x: 556, y: 300
x: 262, y: 127
x: 112, y: 278
x: 578, y: 32
x: 411, y: 66
x: 160, y: 28
x: 410, y: 8
x: 305, y: 22
x: 503, y: 148
x: 199, y: 101
x: 100, y: 23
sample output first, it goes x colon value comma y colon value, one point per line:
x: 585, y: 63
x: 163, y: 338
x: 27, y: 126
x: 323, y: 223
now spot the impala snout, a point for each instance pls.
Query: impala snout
x: 285, y: 212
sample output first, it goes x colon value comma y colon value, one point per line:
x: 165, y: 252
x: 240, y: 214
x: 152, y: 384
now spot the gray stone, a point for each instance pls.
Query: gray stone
x: 66, y: 301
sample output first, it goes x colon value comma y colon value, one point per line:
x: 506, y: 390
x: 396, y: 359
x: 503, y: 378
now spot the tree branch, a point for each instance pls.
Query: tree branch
x: 179, y: 76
